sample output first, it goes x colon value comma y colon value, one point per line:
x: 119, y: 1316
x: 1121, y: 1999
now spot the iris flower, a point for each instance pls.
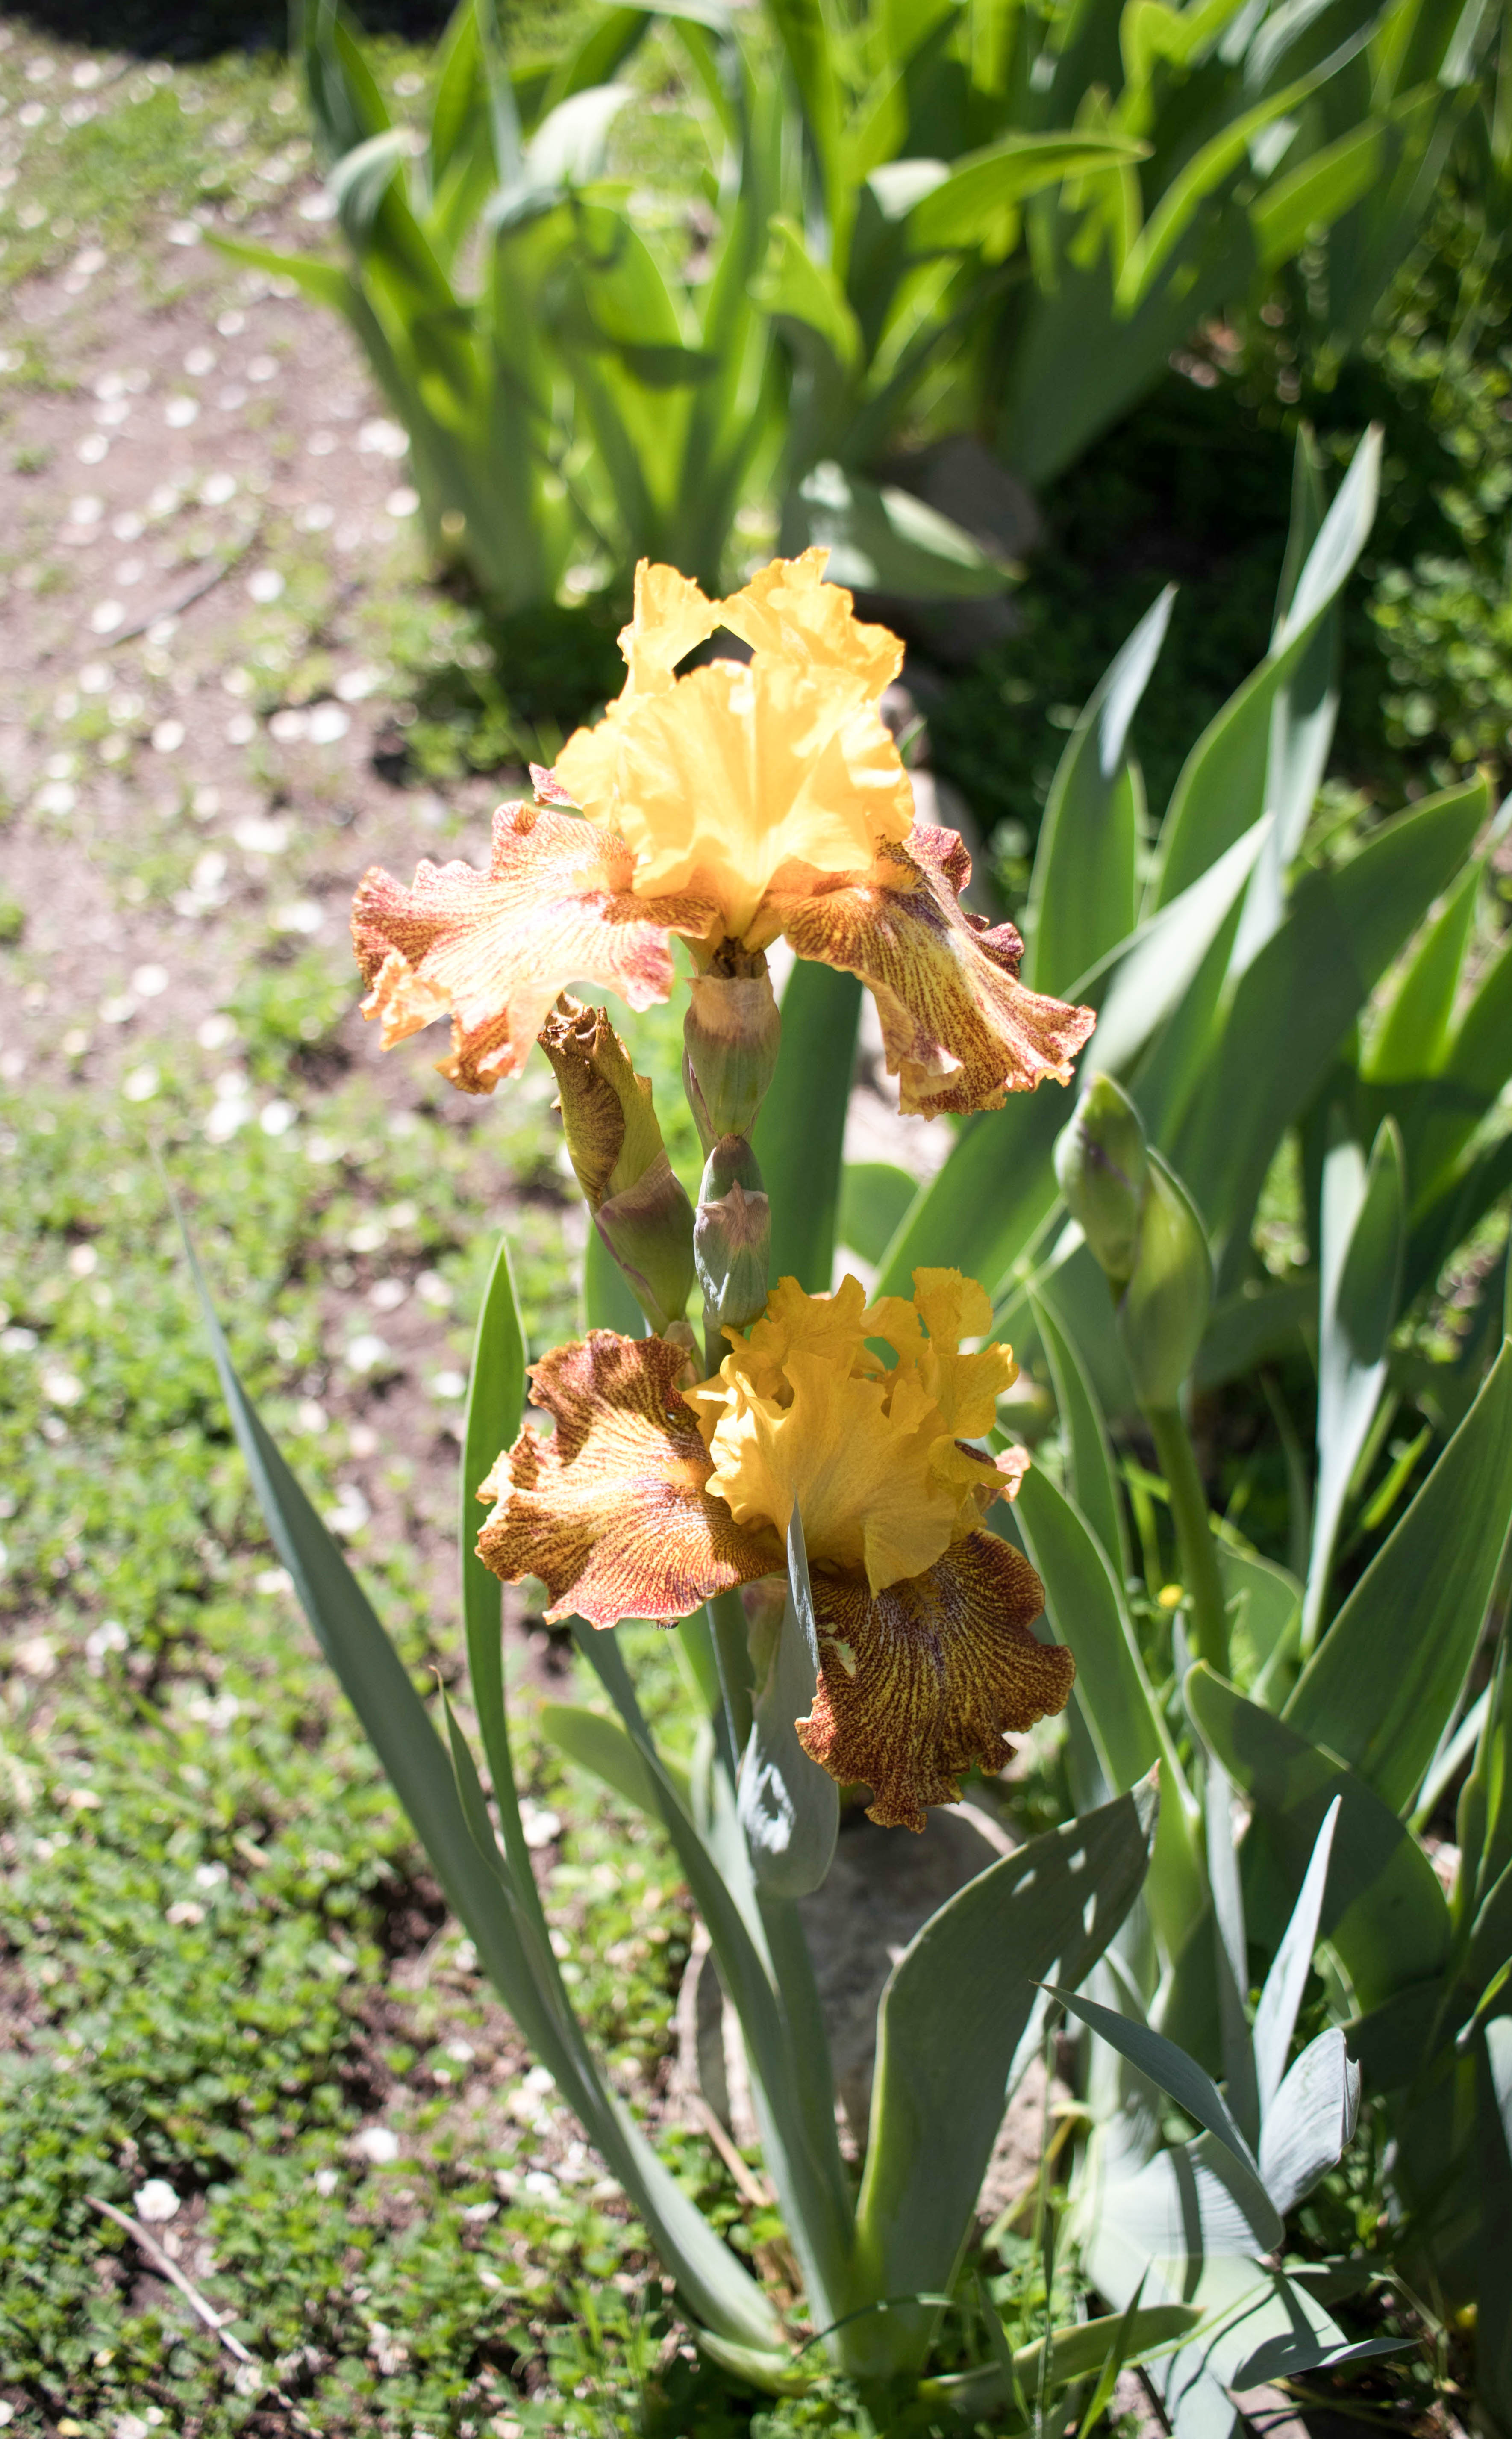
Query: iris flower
x: 741, y: 801
x: 649, y: 1498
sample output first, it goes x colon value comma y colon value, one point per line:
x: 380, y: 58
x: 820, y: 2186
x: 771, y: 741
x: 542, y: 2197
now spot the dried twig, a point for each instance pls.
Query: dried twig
x: 168, y: 2268
x: 750, y: 2186
x: 196, y: 593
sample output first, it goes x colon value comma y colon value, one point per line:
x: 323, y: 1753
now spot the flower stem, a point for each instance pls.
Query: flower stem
x: 1194, y: 1535
x: 727, y: 1617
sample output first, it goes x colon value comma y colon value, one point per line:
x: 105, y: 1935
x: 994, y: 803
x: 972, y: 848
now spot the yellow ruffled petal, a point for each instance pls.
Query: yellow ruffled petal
x: 950, y: 1306
x: 737, y: 774
x: 804, y: 1410
x: 869, y: 1495
x: 491, y: 951
x: 671, y: 615
x: 928, y: 1678
x: 960, y: 1031
x: 788, y: 608
x: 612, y: 1512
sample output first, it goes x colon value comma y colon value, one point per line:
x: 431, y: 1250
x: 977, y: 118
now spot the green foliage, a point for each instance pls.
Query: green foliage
x: 913, y: 224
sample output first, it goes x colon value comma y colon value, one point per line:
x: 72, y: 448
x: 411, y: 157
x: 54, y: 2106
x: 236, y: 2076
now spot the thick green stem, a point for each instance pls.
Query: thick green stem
x: 727, y: 1616
x: 1194, y: 1536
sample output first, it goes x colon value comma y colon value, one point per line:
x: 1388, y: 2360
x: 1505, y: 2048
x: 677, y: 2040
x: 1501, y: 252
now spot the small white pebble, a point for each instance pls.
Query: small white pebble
x: 240, y: 729
x: 205, y: 804
x: 366, y: 1353
x: 164, y: 500
x: 320, y: 444
x: 150, y: 982
x: 181, y: 412
x: 449, y: 1386
x: 264, y: 369
x: 538, y: 1826
x: 376, y: 2143
x: 378, y: 438
x: 199, y: 362
x: 304, y: 916
x: 386, y: 1295
x: 167, y: 735
x: 86, y: 509
x: 217, y: 489
x: 106, y: 617
x: 312, y: 1416
x: 210, y: 1876
x: 433, y: 1289
x: 128, y: 526
x: 130, y: 570
x: 95, y: 677
x: 110, y: 386
x: 216, y: 1031
x: 119, y: 1010
x: 318, y: 207
x: 110, y: 1635
x: 231, y: 324
x: 326, y: 2181
x: 256, y: 836
x: 86, y: 74
x: 278, y: 1117
x: 287, y: 727
x: 62, y: 1388
x: 231, y: 398
x: 317, y: 516
x: 403, y: 502
x: 183, y: 232
x: 157, y: 2203
x: 328, y: 722
x: 355, y: 686
x: 141, y: 1084
x: 264, y: 584
x: 58, y: 797
x: 93, y: 449
x: 83, y: 1261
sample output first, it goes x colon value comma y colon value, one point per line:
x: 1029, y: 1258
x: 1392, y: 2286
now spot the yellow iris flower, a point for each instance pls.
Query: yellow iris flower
x: 729, y: 804
x: 648, y: 1498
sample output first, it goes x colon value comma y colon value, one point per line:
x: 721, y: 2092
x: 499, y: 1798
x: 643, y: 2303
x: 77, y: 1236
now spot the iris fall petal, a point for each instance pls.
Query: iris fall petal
x: 610, y: 1511
x: 960, y: 1031
x: 920, y: 1681
x: 491, y: 951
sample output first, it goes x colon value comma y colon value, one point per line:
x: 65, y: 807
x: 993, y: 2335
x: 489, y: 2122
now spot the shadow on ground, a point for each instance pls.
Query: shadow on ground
x: 201, y: 30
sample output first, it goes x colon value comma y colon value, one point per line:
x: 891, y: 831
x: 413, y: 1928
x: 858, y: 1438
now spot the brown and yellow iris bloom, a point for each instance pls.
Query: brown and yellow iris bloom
x: 741, y: 801
x: 649, y: 1498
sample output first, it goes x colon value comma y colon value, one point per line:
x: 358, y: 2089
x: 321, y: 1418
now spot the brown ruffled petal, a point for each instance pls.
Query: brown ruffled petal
x: 492, y: 950
x: 960, y: 1029
x: 928, y: 1678
x: 611, y: 1512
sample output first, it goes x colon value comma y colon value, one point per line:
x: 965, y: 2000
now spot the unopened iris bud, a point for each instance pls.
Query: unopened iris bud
x: 1101, y: 1167
x: 730, y: 1040
x: 616, y: 1147
x: 732, y: 1235
x: 1140, y: 1223
x: 1163, y: 1312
